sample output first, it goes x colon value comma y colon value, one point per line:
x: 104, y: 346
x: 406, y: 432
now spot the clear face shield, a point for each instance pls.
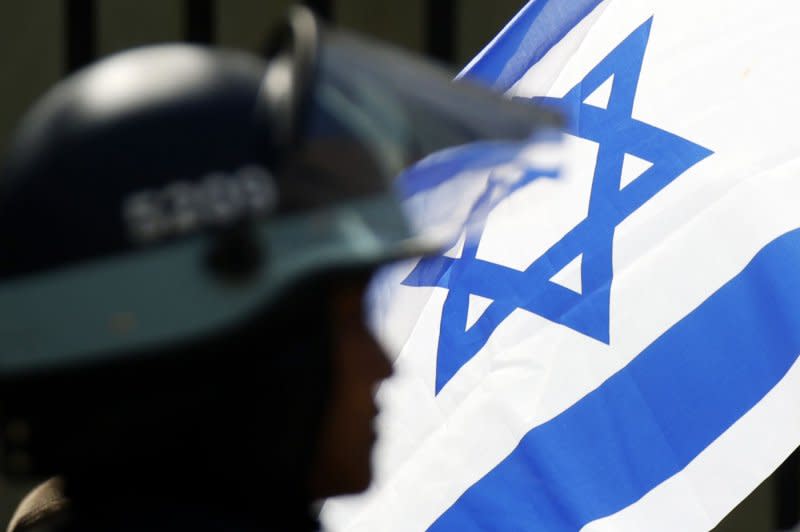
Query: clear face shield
x: 359, y: 112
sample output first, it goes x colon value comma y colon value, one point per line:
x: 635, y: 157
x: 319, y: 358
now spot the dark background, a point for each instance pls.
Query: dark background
x: 43, y: 40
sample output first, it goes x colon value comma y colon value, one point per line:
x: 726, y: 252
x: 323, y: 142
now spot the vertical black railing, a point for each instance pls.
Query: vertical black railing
x: 79, y: 33
x: 200, y: 21
x: 323, y: 8
x: 441, y: 34
x: 787, y: 493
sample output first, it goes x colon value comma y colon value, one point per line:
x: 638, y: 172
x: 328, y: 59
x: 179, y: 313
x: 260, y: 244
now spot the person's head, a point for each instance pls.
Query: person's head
x: 185, y: 238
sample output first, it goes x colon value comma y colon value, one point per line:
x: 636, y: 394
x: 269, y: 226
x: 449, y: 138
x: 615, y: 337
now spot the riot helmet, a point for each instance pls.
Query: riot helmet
x: 170, y: 215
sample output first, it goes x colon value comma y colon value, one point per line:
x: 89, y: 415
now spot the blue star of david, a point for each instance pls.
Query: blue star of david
x: 617, y: 133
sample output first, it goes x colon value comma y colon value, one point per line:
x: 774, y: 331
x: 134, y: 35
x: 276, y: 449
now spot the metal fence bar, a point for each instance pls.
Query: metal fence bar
x: 440, y: 33
x: 200, y: 21
x: 323, y: 8
x: 80, y: 33
x: 787, y: 496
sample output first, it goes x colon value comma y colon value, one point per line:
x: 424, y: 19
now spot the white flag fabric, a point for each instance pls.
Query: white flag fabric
x: 614, y: 349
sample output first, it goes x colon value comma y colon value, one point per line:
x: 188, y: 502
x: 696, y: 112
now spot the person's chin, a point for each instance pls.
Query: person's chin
x: 361, y: 473
x: 361, y: 482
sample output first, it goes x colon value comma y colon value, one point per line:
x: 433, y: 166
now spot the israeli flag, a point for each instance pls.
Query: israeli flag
x: 616, y: 348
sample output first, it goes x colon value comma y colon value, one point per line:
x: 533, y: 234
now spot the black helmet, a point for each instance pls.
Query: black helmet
x: 170, y: 194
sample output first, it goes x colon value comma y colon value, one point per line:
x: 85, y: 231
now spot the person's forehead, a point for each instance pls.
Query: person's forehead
x: 351, y: 288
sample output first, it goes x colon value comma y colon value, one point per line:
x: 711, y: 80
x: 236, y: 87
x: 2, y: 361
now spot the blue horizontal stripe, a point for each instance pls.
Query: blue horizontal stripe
x: 540, y: 25
x: 648, y: 421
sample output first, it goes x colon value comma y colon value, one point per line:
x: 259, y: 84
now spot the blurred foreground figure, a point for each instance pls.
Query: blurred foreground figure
x: 185, y: 238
